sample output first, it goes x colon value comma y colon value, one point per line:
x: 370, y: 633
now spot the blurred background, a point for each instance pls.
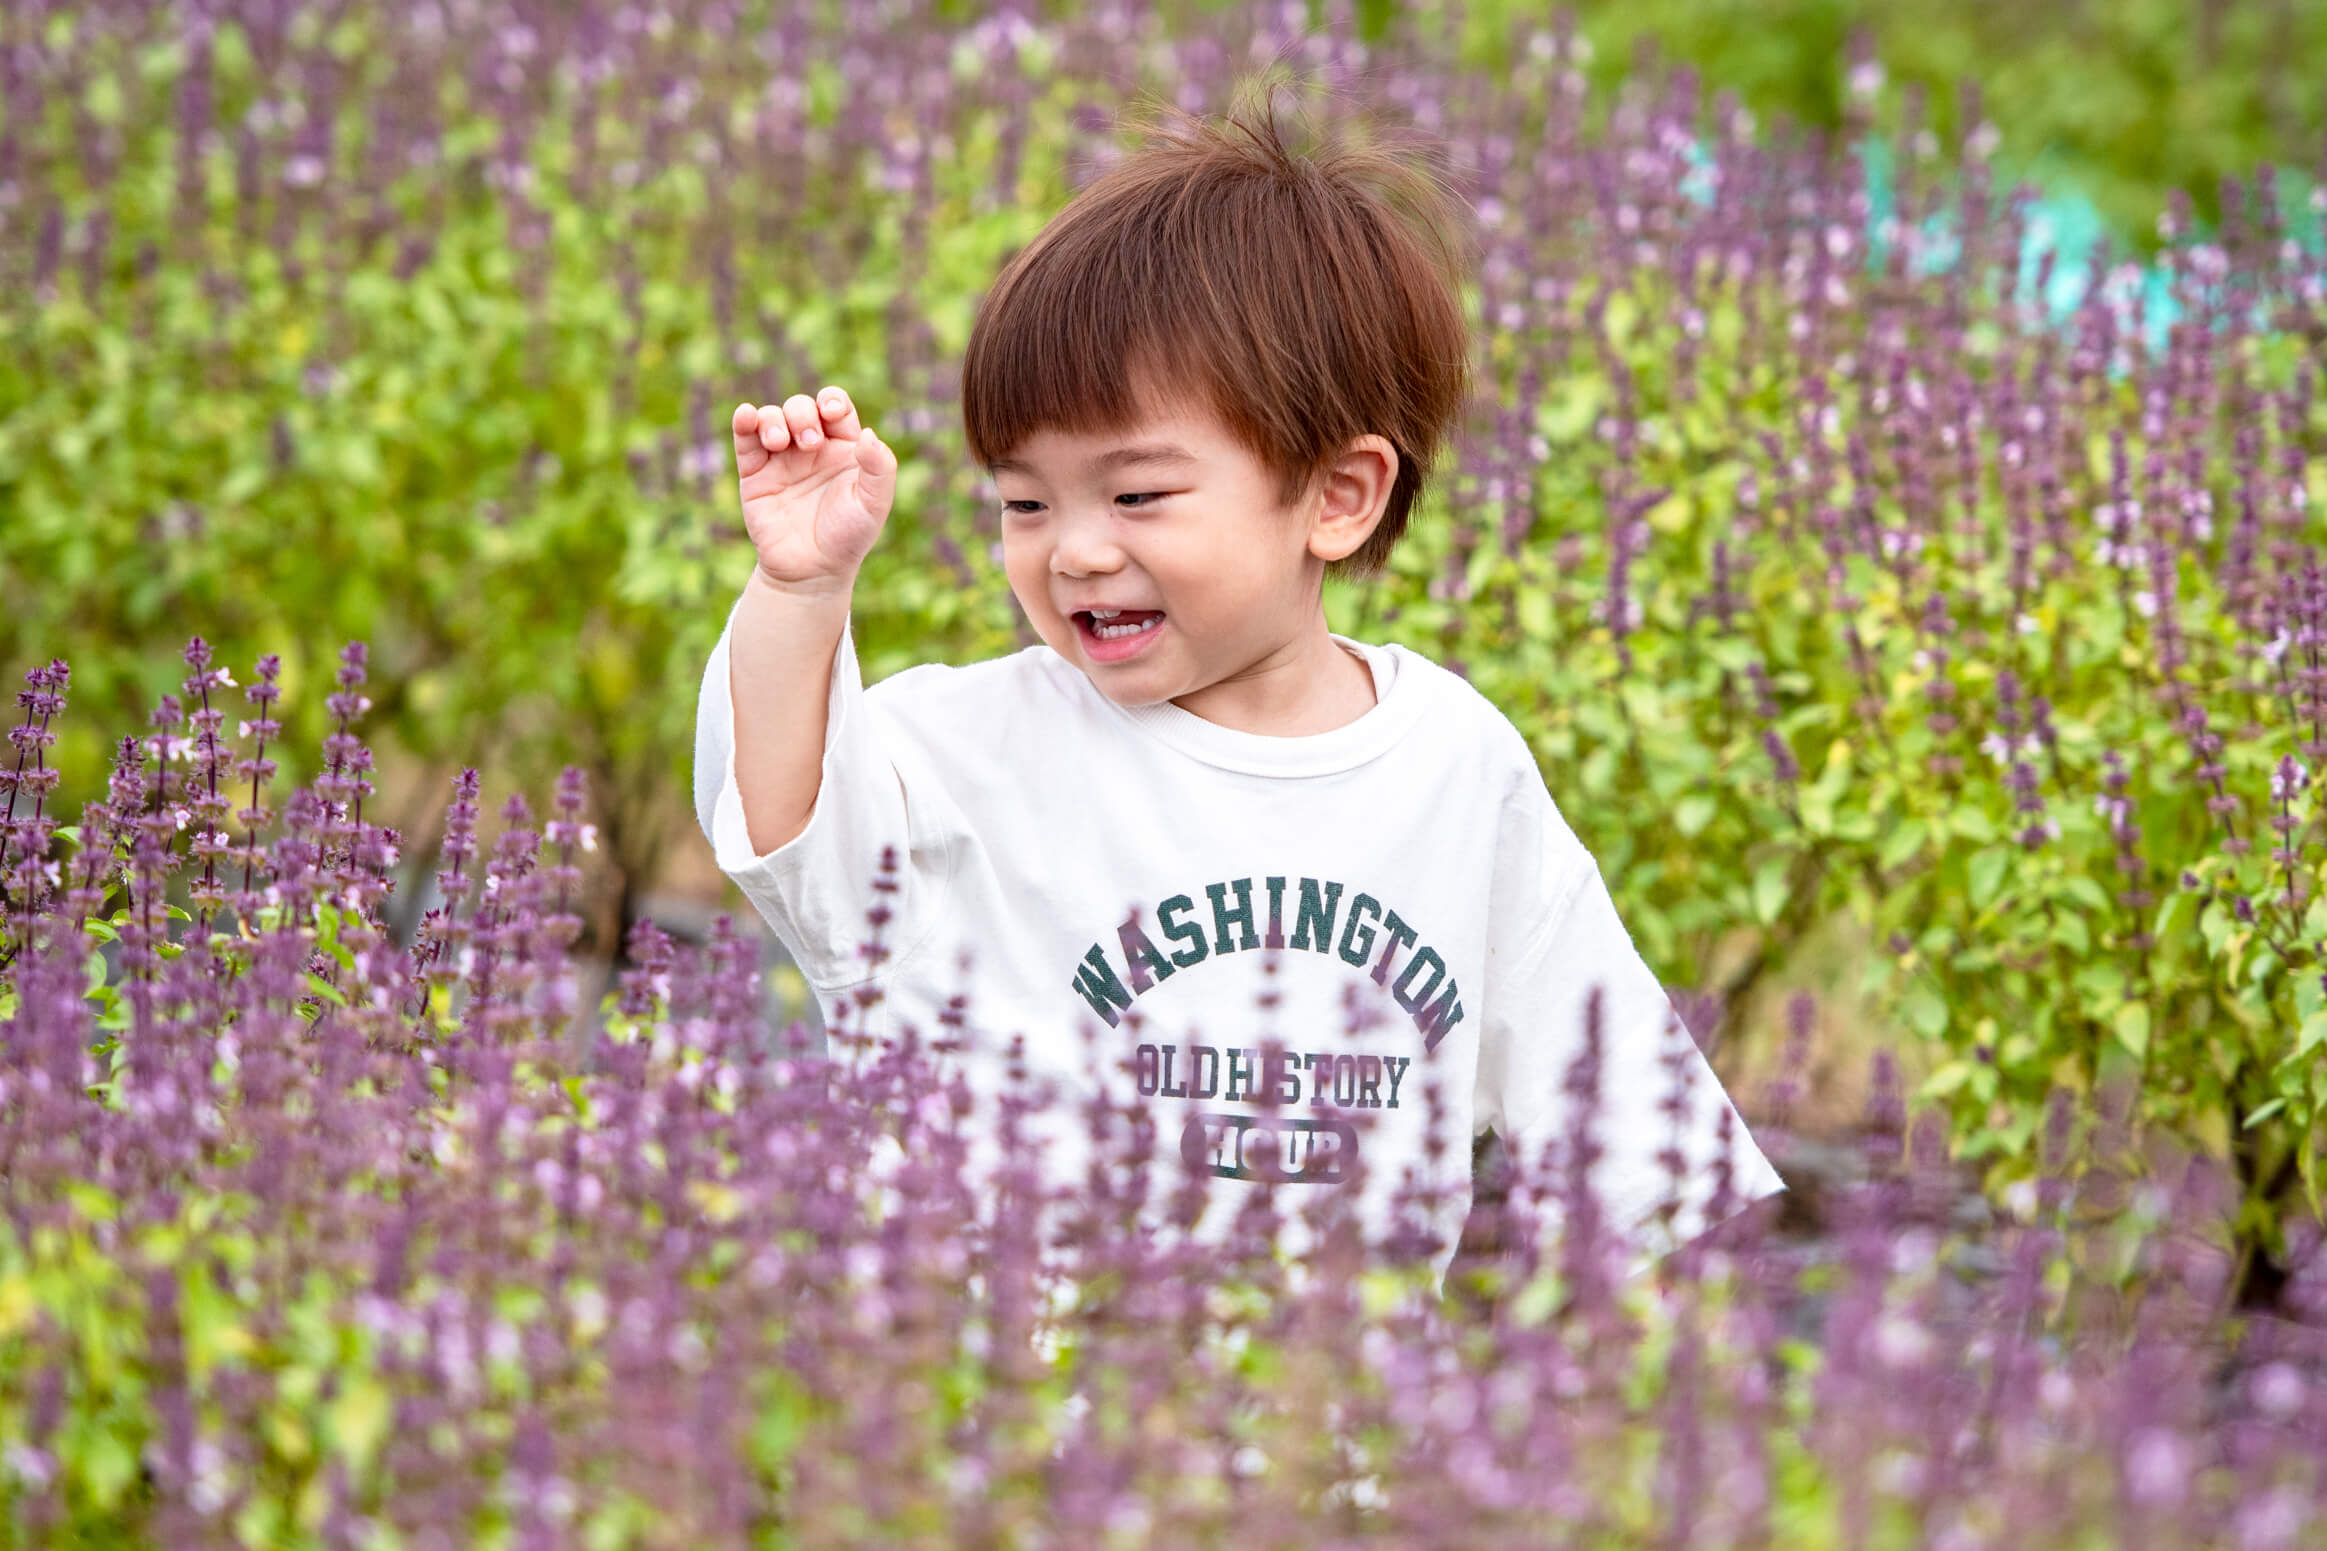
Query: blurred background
x: 419, y: 324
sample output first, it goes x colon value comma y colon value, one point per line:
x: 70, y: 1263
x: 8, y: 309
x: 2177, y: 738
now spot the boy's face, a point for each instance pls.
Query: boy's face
x: 1190, y: 528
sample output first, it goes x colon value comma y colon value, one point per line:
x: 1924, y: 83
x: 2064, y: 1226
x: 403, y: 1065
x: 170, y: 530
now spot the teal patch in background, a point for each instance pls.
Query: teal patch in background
x: 2061, y: 221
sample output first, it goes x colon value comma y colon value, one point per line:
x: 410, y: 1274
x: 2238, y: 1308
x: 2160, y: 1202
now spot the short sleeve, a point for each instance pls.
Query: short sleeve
x: 815, y: 890
x: 1534, y: 1030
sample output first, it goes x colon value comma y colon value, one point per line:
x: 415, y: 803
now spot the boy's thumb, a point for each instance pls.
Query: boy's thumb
x: 874, y: 461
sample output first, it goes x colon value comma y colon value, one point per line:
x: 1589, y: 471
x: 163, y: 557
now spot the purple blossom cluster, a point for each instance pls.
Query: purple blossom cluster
x: 1850, y: 518
x: 307, y: 1240
x: 318, y: 1235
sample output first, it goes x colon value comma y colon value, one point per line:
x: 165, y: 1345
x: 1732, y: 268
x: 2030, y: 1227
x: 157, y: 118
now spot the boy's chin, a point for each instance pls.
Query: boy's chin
x: 1131, y: 697
x: 1134, y: 691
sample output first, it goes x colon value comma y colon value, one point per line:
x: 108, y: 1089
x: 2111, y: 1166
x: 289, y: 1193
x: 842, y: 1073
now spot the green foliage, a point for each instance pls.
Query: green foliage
x: 2018, y: 964
x: 2120, y: 103
x: 457, y: 478
x: 448, y: 463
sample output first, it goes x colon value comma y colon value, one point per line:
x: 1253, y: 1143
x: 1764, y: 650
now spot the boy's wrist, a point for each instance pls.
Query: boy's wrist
x: 837, y: 589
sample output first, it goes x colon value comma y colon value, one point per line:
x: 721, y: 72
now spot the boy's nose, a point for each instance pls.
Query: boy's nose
x: 1083, y: 547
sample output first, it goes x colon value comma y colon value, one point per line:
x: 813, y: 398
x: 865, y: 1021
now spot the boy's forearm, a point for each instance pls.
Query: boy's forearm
x: 780, y: 648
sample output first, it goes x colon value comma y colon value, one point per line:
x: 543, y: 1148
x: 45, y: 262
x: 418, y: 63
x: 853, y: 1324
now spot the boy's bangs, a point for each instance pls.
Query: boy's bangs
x: 1092, y: 351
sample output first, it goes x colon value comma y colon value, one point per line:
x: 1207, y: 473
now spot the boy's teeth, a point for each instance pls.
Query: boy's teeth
x: 1111, y: 632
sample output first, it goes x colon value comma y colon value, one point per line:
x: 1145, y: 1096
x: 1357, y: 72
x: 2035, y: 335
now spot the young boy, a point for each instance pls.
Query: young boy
x: 1288, y: 878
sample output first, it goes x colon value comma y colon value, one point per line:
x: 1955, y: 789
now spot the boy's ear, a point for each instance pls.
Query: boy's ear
x: 1355, y: 492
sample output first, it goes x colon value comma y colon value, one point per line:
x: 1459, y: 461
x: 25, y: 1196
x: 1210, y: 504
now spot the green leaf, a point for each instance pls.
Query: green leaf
x: 2162, y: 927
x: 2101, y: 986
x: 1945, y: 1081
x: 1599, y: 769
x: 2314, y: 1030
x: 1567, y: 409
x: 2308, y: 1161
x: 360, y: 1414
x: 1972, y: 824
x: 2215, y: 925
x: 1987, y: 875
x: 1769, y: 889
x: 1905, y: 841
x: 1925, y: 1010
x: 2262, y: 1114
x: 242, y: 484
x: 94, y: 1202
x: 2132, y: 1026
x: 782, y: 1421
x: 1535, y: 620
x: 1673, y: 514
x: 2085, y: 891
x: 1691, y: 814
x: 106, y: 1463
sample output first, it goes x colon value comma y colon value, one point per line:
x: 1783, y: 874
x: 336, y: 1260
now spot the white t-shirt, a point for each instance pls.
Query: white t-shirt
x: 1152, y: 899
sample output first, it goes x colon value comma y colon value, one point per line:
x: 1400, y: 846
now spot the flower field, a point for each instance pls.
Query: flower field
x: 314, y: 1240
x: 1835, y: 569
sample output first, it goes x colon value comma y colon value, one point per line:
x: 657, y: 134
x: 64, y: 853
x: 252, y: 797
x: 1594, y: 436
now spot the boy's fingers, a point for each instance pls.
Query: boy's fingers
x: 750, y: 456
x: 874, y: 458
x: 800, y: 414
x: 839, y: 412
x: 799, y: 421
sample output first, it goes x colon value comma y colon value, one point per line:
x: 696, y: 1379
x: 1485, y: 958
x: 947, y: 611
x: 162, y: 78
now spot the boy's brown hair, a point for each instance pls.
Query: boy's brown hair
x: 1304, y: 299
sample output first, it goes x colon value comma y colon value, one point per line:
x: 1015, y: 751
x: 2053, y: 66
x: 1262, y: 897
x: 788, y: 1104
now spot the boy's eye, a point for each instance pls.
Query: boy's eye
x: 1141, y: 496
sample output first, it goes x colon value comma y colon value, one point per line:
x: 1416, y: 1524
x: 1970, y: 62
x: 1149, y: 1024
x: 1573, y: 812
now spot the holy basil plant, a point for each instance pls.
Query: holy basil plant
x: 312, y: 1238
x: 1884, y: 599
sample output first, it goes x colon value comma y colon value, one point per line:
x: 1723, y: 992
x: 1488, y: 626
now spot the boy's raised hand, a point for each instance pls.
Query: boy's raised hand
x: 816, y: 488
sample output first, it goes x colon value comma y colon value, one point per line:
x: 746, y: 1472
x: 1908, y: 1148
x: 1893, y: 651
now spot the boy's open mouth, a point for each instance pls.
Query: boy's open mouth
x: 1118, y: 633
x: 1117, y: 623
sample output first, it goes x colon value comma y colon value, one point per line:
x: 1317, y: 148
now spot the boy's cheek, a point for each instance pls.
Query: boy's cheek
x: 1033, y: 597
